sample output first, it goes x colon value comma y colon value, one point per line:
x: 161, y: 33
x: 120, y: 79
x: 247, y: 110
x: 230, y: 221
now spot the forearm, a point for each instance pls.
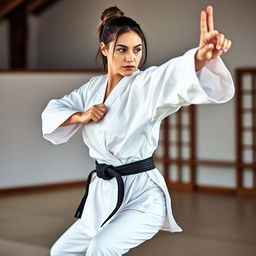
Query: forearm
x: 216, y: 81
x: 74, y: 119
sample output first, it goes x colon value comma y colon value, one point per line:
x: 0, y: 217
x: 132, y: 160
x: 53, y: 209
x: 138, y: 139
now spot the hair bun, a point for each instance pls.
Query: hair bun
x: 110, y: 12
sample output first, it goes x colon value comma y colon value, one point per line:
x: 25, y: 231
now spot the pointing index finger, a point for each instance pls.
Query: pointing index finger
x: 203, y: 23
x: 209, y: 10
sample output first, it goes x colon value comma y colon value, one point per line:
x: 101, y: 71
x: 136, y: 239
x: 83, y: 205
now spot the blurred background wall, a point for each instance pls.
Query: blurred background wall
x: 64, y: 37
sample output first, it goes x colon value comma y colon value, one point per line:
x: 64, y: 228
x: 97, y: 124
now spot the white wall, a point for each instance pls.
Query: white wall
x: 25, y: 157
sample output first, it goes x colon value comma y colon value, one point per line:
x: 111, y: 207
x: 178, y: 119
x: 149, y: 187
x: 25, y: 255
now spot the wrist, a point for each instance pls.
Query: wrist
x: 199, y: 62
x: 78, y: 117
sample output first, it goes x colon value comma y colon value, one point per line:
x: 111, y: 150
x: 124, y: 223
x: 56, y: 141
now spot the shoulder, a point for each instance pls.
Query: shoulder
x: 141, y: 75
x: 145, y: 71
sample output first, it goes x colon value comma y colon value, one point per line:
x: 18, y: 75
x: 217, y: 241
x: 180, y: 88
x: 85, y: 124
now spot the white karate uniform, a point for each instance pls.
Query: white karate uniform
x: 129, y: 132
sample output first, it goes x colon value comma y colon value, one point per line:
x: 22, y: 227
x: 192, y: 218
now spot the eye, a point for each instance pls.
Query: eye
x: 137, y: 50
x: 121, y: 49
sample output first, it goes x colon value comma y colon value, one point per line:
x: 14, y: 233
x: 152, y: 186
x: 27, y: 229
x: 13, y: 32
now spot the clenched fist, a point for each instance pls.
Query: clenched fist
x: 94, y: 114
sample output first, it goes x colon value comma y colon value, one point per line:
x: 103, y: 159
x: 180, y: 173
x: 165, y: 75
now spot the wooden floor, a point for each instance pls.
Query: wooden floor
x: 212, y: 224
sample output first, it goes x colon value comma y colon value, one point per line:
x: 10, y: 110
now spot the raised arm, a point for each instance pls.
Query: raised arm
x: 175, y: 83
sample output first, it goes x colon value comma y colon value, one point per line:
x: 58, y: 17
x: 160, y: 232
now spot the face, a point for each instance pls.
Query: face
x: 127, y: 54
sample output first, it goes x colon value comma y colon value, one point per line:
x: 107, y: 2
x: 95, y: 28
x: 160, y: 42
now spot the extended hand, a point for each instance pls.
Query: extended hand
x: 212, y: 43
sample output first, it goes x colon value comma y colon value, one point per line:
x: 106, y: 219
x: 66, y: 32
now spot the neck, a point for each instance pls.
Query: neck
x: 113, y: 79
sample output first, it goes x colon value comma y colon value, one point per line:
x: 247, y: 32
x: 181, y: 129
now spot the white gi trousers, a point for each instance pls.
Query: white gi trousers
x: 140, y: 217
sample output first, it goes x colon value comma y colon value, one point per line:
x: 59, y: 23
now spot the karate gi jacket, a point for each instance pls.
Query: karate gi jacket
x: 136, y: 106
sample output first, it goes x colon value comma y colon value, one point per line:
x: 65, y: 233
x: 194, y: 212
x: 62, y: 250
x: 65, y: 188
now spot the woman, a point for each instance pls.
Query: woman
x: 120, y: 114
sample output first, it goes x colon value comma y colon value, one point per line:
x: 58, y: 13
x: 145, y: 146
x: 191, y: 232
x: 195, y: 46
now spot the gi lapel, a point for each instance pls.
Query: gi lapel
x: 116, y: 91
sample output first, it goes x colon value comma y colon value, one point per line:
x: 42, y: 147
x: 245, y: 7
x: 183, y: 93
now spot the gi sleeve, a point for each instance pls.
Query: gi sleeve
x: 175, y: 83
x: 59, y: 110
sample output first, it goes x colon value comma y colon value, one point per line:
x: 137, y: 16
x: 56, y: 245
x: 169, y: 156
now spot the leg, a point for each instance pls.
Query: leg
x: 73, y: 242
x: 127, y: 230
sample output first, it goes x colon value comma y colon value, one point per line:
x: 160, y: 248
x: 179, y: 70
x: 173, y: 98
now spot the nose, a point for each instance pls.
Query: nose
x: 129, y: 56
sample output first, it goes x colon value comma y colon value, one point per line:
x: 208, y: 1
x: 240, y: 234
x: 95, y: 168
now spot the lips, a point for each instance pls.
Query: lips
x: 128, y: 66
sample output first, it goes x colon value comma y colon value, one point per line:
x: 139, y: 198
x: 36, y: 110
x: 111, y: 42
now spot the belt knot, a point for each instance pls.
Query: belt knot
x: 102, y: 171
x: 108, y: 172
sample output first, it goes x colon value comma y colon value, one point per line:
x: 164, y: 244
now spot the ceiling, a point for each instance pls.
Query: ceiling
x: 35, y: 7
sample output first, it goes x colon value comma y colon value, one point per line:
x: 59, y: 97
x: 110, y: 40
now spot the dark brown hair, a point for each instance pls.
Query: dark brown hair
x: 113, y: 24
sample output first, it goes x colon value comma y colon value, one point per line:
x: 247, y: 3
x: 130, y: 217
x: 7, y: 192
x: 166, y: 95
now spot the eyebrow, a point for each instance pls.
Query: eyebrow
x: 126, y: 46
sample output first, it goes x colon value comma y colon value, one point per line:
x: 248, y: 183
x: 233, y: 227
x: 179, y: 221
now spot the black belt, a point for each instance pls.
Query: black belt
x: 107, y: 172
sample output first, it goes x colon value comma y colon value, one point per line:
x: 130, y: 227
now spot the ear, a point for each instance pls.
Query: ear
x: 103, y: 48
